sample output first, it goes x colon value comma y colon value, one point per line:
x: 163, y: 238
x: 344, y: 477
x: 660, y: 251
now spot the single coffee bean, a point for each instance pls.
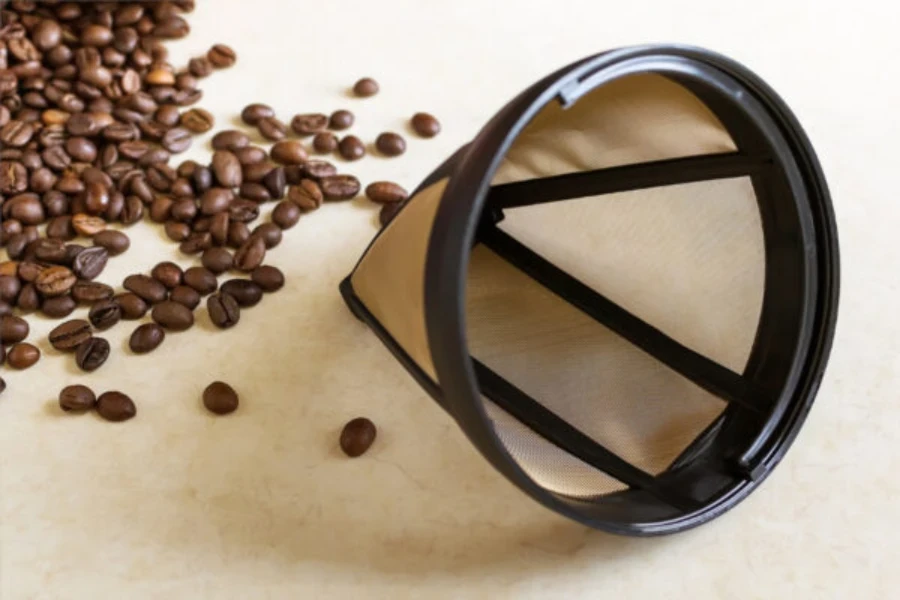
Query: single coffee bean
x: 218, y: 228
x: 201, y: 279
x: 267, y: 277
x: 10, y: 286
x: 76, y: 397
x: 341, y: 119
x: 115, y: 407
x: 253, y: 113
x: 22, y: 356
x: 351, y: 148
x: 115, y: 242
x: 325, y: 142
x: 216, y: 200
x: 307, y: 195
x: 28, y: 300
x: 198, y: 120
x: 318, y: 169
x: 177, y: 140
x: 49, y: 250
x: 184, y: 210
x: 425, y: 125
x: 256, y: 192
x: 105, y: 314
x: 243, y: 211
x: 91, y: 291
x: 249, y: 155
x: 168, y: 115
x: 386, y: 192
x: 388, y: 211
x: 161, y: 209
x: 287, y: 152
x: 186, y: 296
x: 270, y: 233
x: 309, y: 123
x: 81, y: 149
x: 182, y: 188
x: 173, y: 316
x: 59, y: 307
x: 146, y: 338
x: 275, y: 183
x: 230, y: 139
x: 167, y: 273
x: 88, y: 225
x: 365, y: 87
x: 200, y: 67
x: 90, y: 262
x: 16, y: 134
x: 146, y: 288
x: 54, y: 281
x: 390, y: 144
x: 177, y: 232
x: 25, y: 208
x: 286, y: 214
x: 217, y: 260
x: 133, y: 306
x: 294, y: 173
x: 256, y: 172
x: 339, y: 187
x: 27, y: 271
x: 13, y: 178
x: 272, y: 129
x: 221, y: 56
x: 224, y: 311
x: 220, y: 398
x: 196, y: 243
x: 357, y: 437
x: 246, y: 292
x: 250, y: 255
x: 91, y: 354
x: 226, y: 168
x: 238, y: 233
x: 13, y: 329
x: 96, y: 198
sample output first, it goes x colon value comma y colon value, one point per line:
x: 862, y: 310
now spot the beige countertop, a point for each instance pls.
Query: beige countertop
x: 179, y: 504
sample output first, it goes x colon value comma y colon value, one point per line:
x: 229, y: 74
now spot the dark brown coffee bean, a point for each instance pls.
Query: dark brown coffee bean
x: 293, y: 174
x: 230, y: 139
x: 250, y: 255
x: 146, y: 338
x: 118, y: 132
x: 96, y: 198
x: 256, y: 192
x: 201, y: 279
x: 275, y: 183
x: 224, y: 311
x: 221, y: 56
x: 198, y: 120
x: 390, y: 144
x: 218, y: 228
x: 13, y: 178
x: 318, y: 169
x: 365, y: 87
x: 177, y: 140
x: 49, y: 250
x: 256, y: 172
x: 200, y: 67
x: 173, y: 316
x: 341, y: 119
x: 351, y: 148
x: 245, y: 292
x: 28, y: 300
x: 243, y: 211
x: 220, y: 398
x: 27, y: 271
x: 155, y: 156
x: 42, y: 180
x: 339, y: 187
x: 47, y: 34
x: 249, y: 155
x: 15, y: 246
x: 358, y: 436
x: 168, y: 115
x: 90, y: 262
x: 177, y: 232
x: 196, y: 243
x: 217, y: 260
x: 227, y: 169
x: 81, y: 149
x: 253, y: 113
x: 26, y: 208
x: 270, y: 233
x: 272, y: 129
x: 115, y: 407
x: 425, y: 125
x: 307, y: 195
x: 96, y: 35
x: 83, y: 124
x: 186, y: 296
x: 216, y: 200
x: 160, y: 77
x: 76, y: 397
x: 115, y: 242
x: 386, y: 192
x: 146, y: 288
x: 91, y: 291
x: 133, y: 306
x: 161, y: 209
x: 71, y: 334
x: 288, y: 152
x: 325, y: 142
x: 91, y: 354
x: 238, y: 233
x: 309, y: 123
x: 56, y: 158
x: 10, y: 286
x: 286, y: 214
x: 134, y: 150
x: 58, y: 307
x: 54, y: 281
x: 167, y: 273
x: 182, y: 188
x: 105, y: 314
x: 184, y: 210
x: 88, y: 225
x: 388, y: 211
x: 22, y: 356
x: 13, y: 329
x: 16, y: 134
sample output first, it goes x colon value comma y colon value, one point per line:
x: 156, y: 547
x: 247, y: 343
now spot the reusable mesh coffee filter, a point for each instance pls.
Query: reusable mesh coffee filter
x: 624, y: 289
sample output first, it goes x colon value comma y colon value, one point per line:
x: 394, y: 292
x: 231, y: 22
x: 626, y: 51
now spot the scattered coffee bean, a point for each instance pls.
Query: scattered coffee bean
x: 133, y: 306
x: 10, y: 286
x: 246, y: 292
x: 272, y: 129
x: 71, y: 334
x: 309, y: 123
x: 216, y: 200
x: 357, y: 436
x: 220, y: 398
x: 267, y: 277
x: 198, y: 120
x: 425, y: 125
x: 58, y: 307
x: 90, y: 262
x: 385, y: 192
x: 200, y: 67
x: 325, y: 142
x: 29, y: 300
x: 230, y: 139
x: 91, y: 291
x: 167, y: 273
x: 54, y: 281
x: 114, y: 241
x: 91, y: 354
x: 227, y: 169
x: 288, y: 152
x: 221, y: 56
x: 286, y: 214
x: 318, y: 169
x: 146, y: 288
x: 270, y: 233
x: 224, y: 311
x: 105, y: 314
x: 250, y: 255
x: 365, y: 87
x: 88, y: 225
x: 339, y: 187
x: 201, y: 279
x: 177, y: 140
x: 351, y: 148
x: 217, y: 260
x: 186, y: 296
x: 253, y: 113
x: 76, y: 397
x: 22, y: 356
x: 173, y: 316
x: 341, y: 119
x: 146, y: 338
x: 390, y: 144
x: 115, y: 406
x: 196, y: 243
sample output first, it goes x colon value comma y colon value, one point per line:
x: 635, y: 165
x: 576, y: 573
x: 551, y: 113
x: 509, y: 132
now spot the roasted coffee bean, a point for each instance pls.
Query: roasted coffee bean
x: 318, y: 169
x: 275, y: 183
x: 10, y: 286
x: 216, y: 200
x: 388, y: 211
x: 91, y: 354
x: 270, y: 233
x: 13, y: 178
x: 196, y: 243
x: 286, y: 214
x: 351, y: 148
x: 385, y: 192
x: 54, y: 281
x: 42, y: 180
x: 115, y: 242
x: 16, y: 134
x: 287, y: 152
x: 250, y: 255
x: 72, y: 252
x: 390, y: 144
x: 254, y: 191
x: 88, y: 225
x: 96, y: 35
x: 173, y: 316
x: 272, y: 129
x: 115, y: 407
x: 91, y: 291
x: 168, y: 115
x: 13, y: 329
x: 218, y: 228
x: 161, y: 209
x: 293, y: 174
x: 184, y: 210
x: 182, y: 188
x: 28, y: 300
x: 76, y: 397
x: 217, y: 260
x: 226, y: 168
x: 118, y: 132
x: 224, y: 311
x: 49, y: 250
x: 365, y: 87
x: 146, y: 338
x: 96, y: 198
x: 221, y: 56
x: 90, y: 262
x: 177, y: 140
x: 177, y: 232
x: 220, y: 398
x: 307, y: 195
x: 15, y: 246
x: 105, y: 314
x: 22, y: 356
x: 200, y: 67
x: 83, y: 124
x: 249, y: 155
x: 133, y: 306
x: 185, y: 295
x: 230, y: 139
x: 56, y: 158
x: 27, y: 271
x: 425, y: 125
x: 238, y: 233
x: 160, y: 177
x: 201, y: 279
x: 146, y: 288
x: 341, y: 119
x: 243, y: 211
x: 167, y: 273
x: 71, y: 334
x: 198, y: 120
x: 358, y: 436
x: 25, y: 208
x: 58, y: 307
x: 81, y: 149
x: 253, y: 113
x: 309, y: 123
x: 339, y: 187
x: 154, y: 156
x: 135, y: 150
x: 5, y: 309
x: 325, y: 142
x: 256, y: 172
x: 247, y: 293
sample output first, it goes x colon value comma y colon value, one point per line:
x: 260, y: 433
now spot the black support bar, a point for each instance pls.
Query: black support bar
x: 583, y: 184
